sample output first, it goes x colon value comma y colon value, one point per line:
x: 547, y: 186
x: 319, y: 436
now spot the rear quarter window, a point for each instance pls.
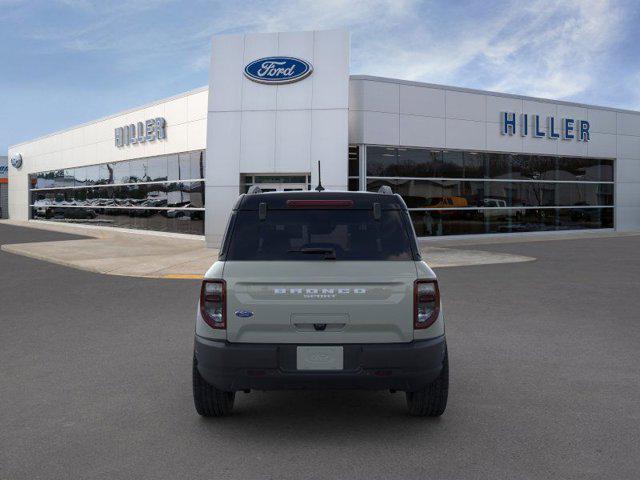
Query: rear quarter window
x: 319, y: 235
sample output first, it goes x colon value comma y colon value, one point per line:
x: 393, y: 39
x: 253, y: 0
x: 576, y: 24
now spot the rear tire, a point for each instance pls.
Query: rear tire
x: 431, y: 401
x: 209, y: 401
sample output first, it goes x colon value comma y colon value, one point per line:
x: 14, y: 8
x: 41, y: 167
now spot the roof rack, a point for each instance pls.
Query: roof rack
x: 385, y: 190
x: 254, y: 189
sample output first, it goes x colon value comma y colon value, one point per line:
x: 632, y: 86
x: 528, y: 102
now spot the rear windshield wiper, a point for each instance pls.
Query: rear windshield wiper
x: 329, y: 253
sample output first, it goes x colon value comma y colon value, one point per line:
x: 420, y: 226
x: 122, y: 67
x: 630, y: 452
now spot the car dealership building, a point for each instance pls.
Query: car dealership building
x: 465, y: 161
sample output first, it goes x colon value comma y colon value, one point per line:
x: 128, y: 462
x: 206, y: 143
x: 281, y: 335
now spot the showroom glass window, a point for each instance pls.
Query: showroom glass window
x: 453, y: 192
x: 164, y: 193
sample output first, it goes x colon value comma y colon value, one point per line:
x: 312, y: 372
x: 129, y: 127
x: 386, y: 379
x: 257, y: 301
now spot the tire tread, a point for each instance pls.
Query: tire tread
x: 431, y: 401
x: 208, y: 400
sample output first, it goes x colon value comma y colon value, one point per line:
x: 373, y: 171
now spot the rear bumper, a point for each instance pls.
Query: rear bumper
x: 242, y: 366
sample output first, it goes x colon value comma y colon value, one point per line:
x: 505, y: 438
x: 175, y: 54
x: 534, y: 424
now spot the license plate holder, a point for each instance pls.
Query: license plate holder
x: 320, y: 358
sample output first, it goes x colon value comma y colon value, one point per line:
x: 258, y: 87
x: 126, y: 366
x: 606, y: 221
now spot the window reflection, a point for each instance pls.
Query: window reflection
x: 132, y: 193
x: 58, y: 178
x: 196, y: 194
x: 105, y: 174
x: 499, y: 165
x: 553, y: 193
x: 80, y: 177
x: 478, y: 193
x: 138, y: 171
x: 354, y: 161
x: 173, y: 167
x: 452, y: 165
x: 475, y: 165
x: 455, y: 192
x: 424, y: 163
x: 156, y: 195
x: 92, y: 175
x: 509, y: 220
x: 197, y: 165
x: 157, y: 169
x: 120, y: 172
x: 191, y: 222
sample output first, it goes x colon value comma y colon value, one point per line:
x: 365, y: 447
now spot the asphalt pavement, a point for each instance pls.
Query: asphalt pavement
x: 96, y: 380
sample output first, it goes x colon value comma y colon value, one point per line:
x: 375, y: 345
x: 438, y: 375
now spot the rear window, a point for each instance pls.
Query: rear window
x: 320, y: 235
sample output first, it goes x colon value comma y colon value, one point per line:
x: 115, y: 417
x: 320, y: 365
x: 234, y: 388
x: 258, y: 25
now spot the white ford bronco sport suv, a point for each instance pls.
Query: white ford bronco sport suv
x: 320, y: 290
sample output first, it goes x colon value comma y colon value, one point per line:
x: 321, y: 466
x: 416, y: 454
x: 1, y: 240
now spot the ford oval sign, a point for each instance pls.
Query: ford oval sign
x: 244, y: 313
x: 16, y: 160
x: 278, y: 70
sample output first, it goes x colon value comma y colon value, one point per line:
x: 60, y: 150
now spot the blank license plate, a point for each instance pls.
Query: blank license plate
x: 320, y: 358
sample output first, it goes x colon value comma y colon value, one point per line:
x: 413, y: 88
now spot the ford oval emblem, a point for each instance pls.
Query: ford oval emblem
x: 16, y: 160
x: 244, y: 313
x: 278, y: 70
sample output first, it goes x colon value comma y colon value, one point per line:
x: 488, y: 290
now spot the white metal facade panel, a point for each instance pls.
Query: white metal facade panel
x: 223, y: 128
x: 502, y: 143
x: 298, y: 95
x: 356, y: 95
x: 331, y: 56
x: 292, y: 146
x: 602, y: 121
x: 465, y: 134
x: 543, y: 109
x: 628, y: 124
x: 497, y: 105
x: 537, y: 145
x: 465, y: 106
x: 429, y: 102
x: 258, y: 144
x: 381, y: 97
x: 330, y: 142
x: 627, y: 219
x: 571, y: 147
x: 629, y: 194
x: 628, y: 170
x: 628, y: 146
x: 381, y: 128
x: 421, y: 131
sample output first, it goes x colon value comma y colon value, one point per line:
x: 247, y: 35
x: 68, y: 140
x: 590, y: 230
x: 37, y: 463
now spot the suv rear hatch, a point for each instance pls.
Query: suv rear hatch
x: 325, y: 271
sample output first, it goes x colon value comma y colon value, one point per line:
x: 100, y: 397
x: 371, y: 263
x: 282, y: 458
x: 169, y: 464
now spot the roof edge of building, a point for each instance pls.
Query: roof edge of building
x: 489, y: 92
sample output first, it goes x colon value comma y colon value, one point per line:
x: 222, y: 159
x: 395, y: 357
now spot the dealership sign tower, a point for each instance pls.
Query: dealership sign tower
x: 278, y: 103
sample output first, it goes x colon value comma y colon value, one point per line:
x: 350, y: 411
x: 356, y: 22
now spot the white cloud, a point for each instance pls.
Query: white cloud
x: 540, y: 48
x: 634, y: 101
x: 545, y: 49
x: 565, y: 51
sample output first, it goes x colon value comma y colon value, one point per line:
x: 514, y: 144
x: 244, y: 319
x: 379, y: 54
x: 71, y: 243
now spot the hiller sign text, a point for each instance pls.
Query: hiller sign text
x: 525, y: 125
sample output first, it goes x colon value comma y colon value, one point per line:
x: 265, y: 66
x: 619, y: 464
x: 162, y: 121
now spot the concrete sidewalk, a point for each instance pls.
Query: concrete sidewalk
x: 119, y: 251
x: 161, y: 255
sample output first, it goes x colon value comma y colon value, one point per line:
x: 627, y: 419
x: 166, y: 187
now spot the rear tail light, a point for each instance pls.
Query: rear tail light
x: 213, y: 299
x: 426, y: 303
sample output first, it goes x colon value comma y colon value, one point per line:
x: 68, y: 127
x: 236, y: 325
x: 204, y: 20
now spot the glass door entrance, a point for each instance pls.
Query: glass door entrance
x: 275, y: 183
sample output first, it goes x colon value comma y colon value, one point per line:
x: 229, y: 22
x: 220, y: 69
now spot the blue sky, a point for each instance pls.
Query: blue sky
x: 70, y: 61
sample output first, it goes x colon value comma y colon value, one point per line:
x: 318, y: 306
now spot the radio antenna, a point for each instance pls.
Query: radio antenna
x: 319, y: 188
